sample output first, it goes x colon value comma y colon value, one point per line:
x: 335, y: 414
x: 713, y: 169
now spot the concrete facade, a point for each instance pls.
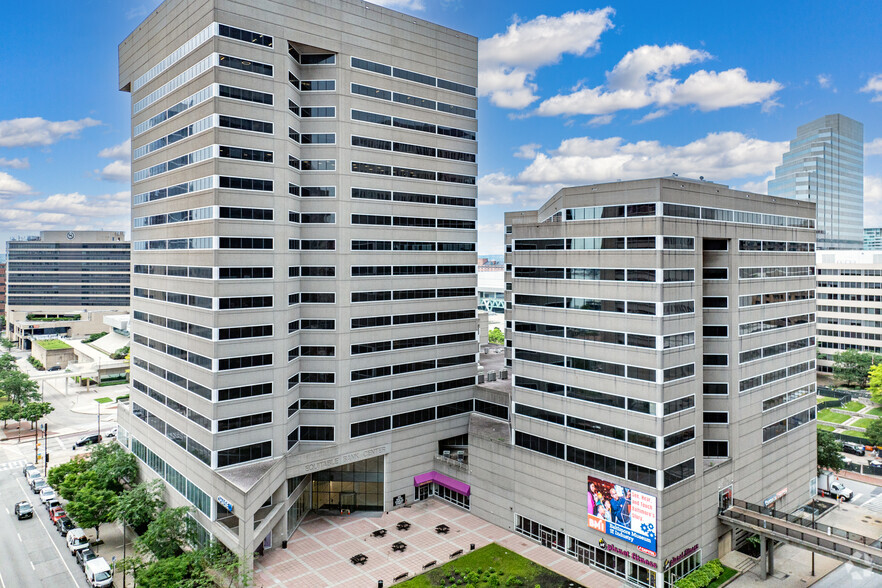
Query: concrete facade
x: 644, y: 363
x: 849, y: 304
x: 347, y: 284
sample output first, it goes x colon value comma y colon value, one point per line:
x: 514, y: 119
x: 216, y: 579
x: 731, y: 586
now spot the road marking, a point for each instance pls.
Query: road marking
x: 32, y: 566
x: 855, y: 497
x: 58, y: 551
x: 19, y: 538
x: 60, y: 444
x: 7, y: 510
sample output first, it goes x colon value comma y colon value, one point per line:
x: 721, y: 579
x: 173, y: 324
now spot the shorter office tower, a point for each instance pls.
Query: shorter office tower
x: 3, y: 290
x: 873, y: 239
x: 849, y: 304
x: 661, y: 338
x: 63, y: 283
x: 825, y: 165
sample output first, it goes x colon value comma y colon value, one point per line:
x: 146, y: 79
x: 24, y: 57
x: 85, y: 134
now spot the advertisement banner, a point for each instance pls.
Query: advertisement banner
x: 622, y: 512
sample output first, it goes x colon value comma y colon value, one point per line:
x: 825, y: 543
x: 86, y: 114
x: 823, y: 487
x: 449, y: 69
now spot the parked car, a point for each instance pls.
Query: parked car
x: 87, y: 440
x: 64, y: 524
x: 50, y: 504
x: 853, y: 448
x: 98, y: 573
x: 39, y: 484
x: 57, y: 513
x: 54, y: 368
x: 84, y: 555
x: 29, y: 467
x: 47, y: 493
x: 31, y: 475
x: 112, y: 433
x: 77, y: 540
x: 24, y: 510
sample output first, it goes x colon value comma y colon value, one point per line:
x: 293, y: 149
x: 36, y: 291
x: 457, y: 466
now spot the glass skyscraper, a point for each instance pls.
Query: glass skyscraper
x: 825, y: 165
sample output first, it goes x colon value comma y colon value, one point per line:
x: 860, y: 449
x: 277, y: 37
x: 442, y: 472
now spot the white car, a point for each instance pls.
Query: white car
x: 98, y: 573
x: 76, y: 540
x: 47, y: 494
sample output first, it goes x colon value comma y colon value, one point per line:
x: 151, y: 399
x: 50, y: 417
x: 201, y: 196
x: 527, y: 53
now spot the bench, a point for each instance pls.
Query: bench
x: 403, y: 526
x: 455, y: 553
x: 358, y: 559
x: 430, y: 564
x: 400, y: 576
x: 379, y: 533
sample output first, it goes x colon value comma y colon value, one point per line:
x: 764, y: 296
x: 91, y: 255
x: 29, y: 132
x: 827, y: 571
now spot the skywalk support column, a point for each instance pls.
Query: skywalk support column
x: 763, y: 562
x: 771, y: 562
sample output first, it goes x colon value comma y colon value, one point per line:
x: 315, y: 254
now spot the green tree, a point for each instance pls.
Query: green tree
x: 874, y: 432
x: 874, y: 383
x: 92, y: 506
x: 4, y: 342
x: 140, y: 505
x: 496, y: 336
x: 7, y: 362
x: 112, y: 465
x: 227, y: 565
x: 168, y: 534
x: 172, y: 571
x: 18, y: 387
x: 58, y: 473
x: 34, y: 411
x: 9, y: 412
x: 852, y: 366
x: 829, y: 457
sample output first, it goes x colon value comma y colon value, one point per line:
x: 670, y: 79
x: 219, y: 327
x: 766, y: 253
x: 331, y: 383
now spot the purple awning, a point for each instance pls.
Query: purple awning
x: 442, y: 480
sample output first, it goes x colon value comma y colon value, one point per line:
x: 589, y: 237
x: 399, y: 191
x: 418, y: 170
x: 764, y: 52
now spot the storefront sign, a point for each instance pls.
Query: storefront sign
x: 627, y: 554
x: 345, y: 458
x: 225, y: 503
x: 678, y: 558
x: 773, y: 499
x: 622, y: 512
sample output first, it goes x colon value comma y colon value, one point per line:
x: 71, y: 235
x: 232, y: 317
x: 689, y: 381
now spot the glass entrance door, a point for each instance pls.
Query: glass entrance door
x: 547, y: 539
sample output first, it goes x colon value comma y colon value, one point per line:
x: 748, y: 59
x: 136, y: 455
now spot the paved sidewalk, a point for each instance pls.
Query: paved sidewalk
x: 318, y: 553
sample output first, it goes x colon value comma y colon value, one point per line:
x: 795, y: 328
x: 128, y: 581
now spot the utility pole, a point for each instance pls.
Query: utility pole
x: 813, y: 526
x: 99, y: 419
x: 45, y: 450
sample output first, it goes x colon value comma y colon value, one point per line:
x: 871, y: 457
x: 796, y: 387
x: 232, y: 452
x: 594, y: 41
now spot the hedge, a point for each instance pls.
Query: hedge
x: 703, y: 576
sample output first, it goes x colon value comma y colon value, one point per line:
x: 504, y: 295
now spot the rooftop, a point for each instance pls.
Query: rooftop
x: 52, y: 344
x: 493, y: 361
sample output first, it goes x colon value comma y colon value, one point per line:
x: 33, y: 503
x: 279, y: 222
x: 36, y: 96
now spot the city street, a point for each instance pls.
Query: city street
x: 32, y: 551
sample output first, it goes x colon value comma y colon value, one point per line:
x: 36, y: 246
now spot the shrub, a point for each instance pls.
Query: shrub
x: 702, y: 576
x: 35, y: 362
x: 120, y: 353
x: 94, y: 337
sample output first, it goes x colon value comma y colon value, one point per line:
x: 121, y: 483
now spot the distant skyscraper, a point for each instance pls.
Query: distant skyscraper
x: 825, y: 165
x: 873, y: 239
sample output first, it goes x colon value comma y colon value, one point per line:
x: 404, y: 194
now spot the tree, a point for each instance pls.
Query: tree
x: 874, y: 383
x: 172, y: 571
x: 829, y: 457
x: 874, y: 432
x: 6, y: 343
x: 92, y: 506
x: 58, y: 473
x: 496, y: 336
x: 7, y: 361
x: 9, y: 412
x: 220, y: 559
x: 852, y: 366
x: 112, y: 464
x: 34, y: 411
x: 167, y: 534
x: 140, y: 505
x: 18, y: 387
x: 70, y: 485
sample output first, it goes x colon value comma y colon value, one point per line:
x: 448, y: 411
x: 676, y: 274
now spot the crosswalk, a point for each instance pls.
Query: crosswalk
x: 874, y: 504
x: 11, y: 465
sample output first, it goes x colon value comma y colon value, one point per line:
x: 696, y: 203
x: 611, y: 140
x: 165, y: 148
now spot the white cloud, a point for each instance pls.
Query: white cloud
x: 508, y: 61
x: 874, y: 147
x: 65, y: 211
x: 872, y: 201
x: 401, y: 4
x: 826, y: 82
x: 10, y: 185
x: 717, y: 156
x: 490, y: 239
x: 15, y: 163
x: 120, y: 169
x: 643, y: 78
x: 760, y: 187
x: 496, y: 188
x: 527, y: 151
x: 874, y: 86
x: 30, y: 132
x: 599, y: 121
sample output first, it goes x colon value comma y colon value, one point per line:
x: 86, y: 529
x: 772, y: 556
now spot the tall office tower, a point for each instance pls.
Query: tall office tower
x: 849, y: 309
x: 873, y: 239
x: 825, y: 165
x: 662, y: 343
x: 73, y: 279
x: 304, y: 256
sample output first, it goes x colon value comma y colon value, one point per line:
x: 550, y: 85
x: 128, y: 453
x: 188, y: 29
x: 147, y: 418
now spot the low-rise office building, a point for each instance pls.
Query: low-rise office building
x: 873, y: 239
x: 63, y: 283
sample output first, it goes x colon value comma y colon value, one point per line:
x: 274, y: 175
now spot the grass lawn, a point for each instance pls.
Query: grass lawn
x: 103, y: 400
x: 826, y: 428
x: 505, y: 564
x: 860, y: 434
x: 52, y: 344
x: 853, y: 406
x: 825, y: 399
x: 862, y: 423
x: 832, y: 417
x: 875, y: 411
x: 724, y: 577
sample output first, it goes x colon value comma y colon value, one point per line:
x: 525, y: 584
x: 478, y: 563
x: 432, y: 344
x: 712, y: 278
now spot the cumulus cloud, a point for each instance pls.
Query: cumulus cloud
x: 874, y: 147
x: 120, y: 169
x: 401, y: 4
x: 872, y: 201
x: 36, y: 131
x: 826, y: 82
x: 16, y: 163
x: 507, y: 62
x: 10, y: 185
x: 644, y: 78
x: 65, y: 211
x: 527, y: 151
x: 874, y: 86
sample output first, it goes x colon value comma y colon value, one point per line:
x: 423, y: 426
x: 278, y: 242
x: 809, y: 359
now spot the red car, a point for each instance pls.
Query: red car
x: 56, y: 513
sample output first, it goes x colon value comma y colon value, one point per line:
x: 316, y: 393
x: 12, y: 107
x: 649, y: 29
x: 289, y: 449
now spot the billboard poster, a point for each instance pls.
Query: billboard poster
x: 622, y: 512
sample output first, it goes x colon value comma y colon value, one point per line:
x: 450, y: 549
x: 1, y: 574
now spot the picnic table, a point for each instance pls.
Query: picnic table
x: 379, y: 533
x: 399, y: 546
x: 358, y: 559
x: 403, y: 526
x: 442, y: 529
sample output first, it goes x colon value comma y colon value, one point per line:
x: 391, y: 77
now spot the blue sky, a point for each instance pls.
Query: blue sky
x: 571, y: 93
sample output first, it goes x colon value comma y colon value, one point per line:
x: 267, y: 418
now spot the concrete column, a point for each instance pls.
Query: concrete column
x: 764, y: 563
x: 771, y: 566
